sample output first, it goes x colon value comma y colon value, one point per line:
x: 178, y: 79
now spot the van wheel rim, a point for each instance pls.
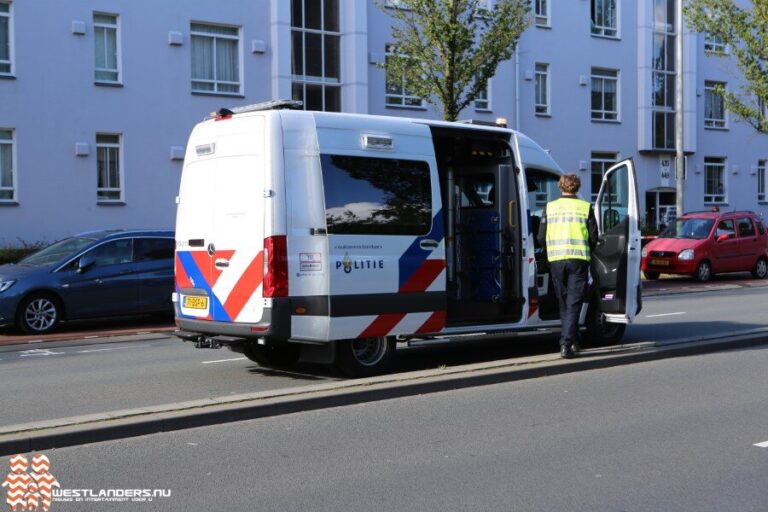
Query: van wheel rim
x: 762, y: 268
x: 40, y: 314
x: 369, y: 351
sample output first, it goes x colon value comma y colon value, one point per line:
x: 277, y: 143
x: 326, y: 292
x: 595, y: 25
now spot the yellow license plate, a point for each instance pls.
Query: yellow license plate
x: 660, y: 263
x: 195, y: 302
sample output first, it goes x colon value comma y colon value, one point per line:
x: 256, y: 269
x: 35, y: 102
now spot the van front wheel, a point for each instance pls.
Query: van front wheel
x: 364, y: 357
x: 599, y: 332
x: 273, y: 356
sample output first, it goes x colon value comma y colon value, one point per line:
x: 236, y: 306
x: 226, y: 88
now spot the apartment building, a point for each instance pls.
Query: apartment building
x: 97, y: 98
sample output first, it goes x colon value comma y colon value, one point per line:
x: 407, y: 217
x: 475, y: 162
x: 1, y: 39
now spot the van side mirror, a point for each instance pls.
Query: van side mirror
x: 723, y: 237
x: 85, y: 263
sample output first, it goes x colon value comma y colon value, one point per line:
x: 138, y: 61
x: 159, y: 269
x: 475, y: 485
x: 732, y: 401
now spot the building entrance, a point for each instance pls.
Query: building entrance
x: 660, y: 207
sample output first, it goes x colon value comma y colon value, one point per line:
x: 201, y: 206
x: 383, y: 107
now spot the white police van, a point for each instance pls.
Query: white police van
x: 337, y: 235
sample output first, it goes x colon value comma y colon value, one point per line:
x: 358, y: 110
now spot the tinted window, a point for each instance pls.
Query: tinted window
x: 150, y: 249
x: 112, y: 253
x: 376, y: 196
x: 725, y: 228
x: 478, y: 191
x: 745, y: 227
x: 613, y: 204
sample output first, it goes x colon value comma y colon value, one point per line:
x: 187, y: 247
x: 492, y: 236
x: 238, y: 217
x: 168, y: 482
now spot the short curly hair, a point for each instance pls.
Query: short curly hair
x: 569, y: 183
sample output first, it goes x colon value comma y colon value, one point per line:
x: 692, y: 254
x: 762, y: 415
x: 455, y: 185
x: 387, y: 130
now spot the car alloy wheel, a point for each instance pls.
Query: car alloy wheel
x: 703, y: 272
x: 761, y: 269
x: 40, y: 314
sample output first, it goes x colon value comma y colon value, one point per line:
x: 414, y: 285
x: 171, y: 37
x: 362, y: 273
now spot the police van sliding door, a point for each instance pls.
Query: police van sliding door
x: 616, y: 259
x: 385, y: 242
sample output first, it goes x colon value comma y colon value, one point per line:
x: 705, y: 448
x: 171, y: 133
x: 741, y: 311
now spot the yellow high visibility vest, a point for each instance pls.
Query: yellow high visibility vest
x: 567, y: 234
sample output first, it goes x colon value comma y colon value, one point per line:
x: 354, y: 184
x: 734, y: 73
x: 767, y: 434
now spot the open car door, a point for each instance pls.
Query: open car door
x: 616, y: 259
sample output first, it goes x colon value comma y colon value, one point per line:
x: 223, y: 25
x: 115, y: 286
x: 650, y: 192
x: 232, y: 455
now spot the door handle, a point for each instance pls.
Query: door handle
x: 222, y: 263
x: 428, y: 244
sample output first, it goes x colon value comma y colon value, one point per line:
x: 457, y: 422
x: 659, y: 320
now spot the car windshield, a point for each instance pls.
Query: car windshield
x: 57, y: 252
x: 688, y: 228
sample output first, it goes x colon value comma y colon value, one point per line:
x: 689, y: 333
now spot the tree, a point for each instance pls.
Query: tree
x: 745, y: 32
x: 447, y: 50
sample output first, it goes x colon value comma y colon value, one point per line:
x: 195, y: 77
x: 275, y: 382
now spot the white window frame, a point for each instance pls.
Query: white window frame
x: 718, y: 196
x: 542, y: 73
x: 120, y: 166
x: 216, y: 82
x: 714, y: 44
x: 116, y: 28
x: 399, y: 100
x: 665, y: 29
x: 14, y: 180
x: 324, y: 82
x: 606, y: 162
x: 541, y: 13
x: 483, y: 99
x: 604, y: 75
x: 762, y: 179
x: 715, y: 123
x: 10, y: 62
x: 599, y: 30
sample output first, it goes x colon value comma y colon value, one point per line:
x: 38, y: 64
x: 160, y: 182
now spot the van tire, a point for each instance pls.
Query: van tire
x: 599, y: 332
x: 364, y: 357
x: 273, y: 356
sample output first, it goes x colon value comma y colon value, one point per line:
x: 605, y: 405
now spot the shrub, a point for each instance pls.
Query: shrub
x: 14, y: 254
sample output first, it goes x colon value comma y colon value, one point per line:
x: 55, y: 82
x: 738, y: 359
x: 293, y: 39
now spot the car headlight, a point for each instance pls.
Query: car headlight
x: 686, y: 255
x: 644, y: 252
x: 4, y: 285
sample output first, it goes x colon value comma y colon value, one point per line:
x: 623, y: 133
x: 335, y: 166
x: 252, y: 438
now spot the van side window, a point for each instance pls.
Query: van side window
x: 376, y: 196
x: 478, y: 191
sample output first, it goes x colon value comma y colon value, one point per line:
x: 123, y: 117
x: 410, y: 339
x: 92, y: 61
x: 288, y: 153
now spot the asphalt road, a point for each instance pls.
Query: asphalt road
x: 54, y: 382
x: 682, y: 434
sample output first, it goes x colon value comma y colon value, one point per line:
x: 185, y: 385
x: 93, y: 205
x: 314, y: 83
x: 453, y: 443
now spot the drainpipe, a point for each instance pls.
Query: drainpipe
x: 517, y: 89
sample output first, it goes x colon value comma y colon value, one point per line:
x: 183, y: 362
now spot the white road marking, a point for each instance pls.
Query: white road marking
x: 90, y: 337
x: 666, y: 314
x: 100, y: 350
x: 39, y: 352
x: 764, y: 444
x: 225, y: 360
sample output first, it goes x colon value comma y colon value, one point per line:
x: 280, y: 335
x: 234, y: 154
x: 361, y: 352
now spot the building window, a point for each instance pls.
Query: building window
x: 762, y: 169
x: 542, y: 89
x: 663, y: 76
x: 315, y: 54
x: 107, y: 48
x: 108, y: 166
x: 714, y: 180
x: 482, y: 100
x: 396, y: 92
x: 605, y: 94
x: 215, y: 59
x: 541, y: 13
x: 605, y: 18
x: 7, y: 175
x: 714, y: 43
x: 714, y: 110
x: 6, y: 63
x: 600, y: 162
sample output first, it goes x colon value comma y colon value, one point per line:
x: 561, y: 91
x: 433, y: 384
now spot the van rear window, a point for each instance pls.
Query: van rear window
x: 376, y: 196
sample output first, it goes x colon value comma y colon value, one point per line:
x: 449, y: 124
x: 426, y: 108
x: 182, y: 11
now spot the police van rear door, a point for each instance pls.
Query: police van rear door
x: 616, y: 259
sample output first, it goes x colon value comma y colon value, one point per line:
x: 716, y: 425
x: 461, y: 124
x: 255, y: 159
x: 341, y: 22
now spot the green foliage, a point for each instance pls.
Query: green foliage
x: 447, y: 50
x: 14, y: 254
x: 745, y: 31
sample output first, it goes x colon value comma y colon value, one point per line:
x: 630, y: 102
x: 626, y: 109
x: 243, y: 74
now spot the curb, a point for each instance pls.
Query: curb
x: 151, y: 420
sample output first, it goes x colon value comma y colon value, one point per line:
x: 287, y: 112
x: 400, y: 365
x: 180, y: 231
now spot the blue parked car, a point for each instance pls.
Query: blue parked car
x: 97, y: 274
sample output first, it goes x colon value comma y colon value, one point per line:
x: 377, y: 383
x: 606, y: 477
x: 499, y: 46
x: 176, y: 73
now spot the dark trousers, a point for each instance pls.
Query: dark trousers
x: 569, y: 278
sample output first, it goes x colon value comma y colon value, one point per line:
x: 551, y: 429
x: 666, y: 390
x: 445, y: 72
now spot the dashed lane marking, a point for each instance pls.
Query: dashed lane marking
x: 764, y: 444
x: 39, y: 352
x: 666, y: 314
x: 225, y: 360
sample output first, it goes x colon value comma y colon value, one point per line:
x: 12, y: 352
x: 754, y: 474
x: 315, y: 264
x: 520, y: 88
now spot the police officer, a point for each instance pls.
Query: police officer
x: 569, y: 231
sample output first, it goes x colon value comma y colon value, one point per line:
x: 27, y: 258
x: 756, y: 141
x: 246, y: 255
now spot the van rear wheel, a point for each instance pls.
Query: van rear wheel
x: 364, y: 357
x: 273, y: 356
x: 599, y: 332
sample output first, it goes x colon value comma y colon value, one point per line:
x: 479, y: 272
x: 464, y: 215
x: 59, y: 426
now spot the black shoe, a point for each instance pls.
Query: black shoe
x: 566, y: 352
x: 575, y: 348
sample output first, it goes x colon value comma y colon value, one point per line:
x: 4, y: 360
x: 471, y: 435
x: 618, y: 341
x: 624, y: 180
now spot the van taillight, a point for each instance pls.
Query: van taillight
x: 275, y: 267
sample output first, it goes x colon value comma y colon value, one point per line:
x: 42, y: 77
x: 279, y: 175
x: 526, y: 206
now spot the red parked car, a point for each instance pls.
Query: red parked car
x: 702, y: 244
